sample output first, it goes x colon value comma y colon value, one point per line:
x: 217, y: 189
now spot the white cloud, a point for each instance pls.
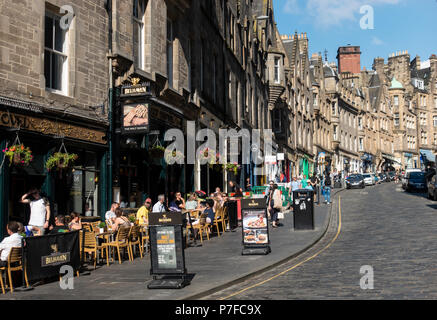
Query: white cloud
x: 376, y: 41
x: 332, y: 12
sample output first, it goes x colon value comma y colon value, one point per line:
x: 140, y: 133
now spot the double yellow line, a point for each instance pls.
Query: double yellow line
x: 296, y: 265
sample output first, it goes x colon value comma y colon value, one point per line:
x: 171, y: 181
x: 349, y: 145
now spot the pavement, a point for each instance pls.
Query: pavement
x: 386, y: 241
x: 216, y: 265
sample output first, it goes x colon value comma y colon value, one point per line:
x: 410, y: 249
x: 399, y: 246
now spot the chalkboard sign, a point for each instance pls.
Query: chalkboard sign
x: 166, y: 243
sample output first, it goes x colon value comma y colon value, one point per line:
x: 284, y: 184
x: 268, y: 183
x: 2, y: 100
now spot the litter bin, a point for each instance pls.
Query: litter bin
x: 303, y: 209
x: 232, y: 214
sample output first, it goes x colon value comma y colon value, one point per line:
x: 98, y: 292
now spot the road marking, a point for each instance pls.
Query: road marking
x: 296, y: 265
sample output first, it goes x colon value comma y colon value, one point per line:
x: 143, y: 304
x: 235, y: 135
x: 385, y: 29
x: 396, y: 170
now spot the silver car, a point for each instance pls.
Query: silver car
x: 369, y: 179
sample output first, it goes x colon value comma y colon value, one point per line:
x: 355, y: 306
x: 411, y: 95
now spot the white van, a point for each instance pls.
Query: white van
x: 404, y: 180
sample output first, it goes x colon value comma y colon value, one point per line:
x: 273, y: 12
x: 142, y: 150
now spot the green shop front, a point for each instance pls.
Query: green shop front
x: 81, y: 188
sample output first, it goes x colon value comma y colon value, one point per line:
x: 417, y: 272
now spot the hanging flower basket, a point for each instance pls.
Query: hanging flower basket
x: 156, y: 152
x: 174, y: 155
x: 231, y: 167
x: 60, y: 160
x: 209, y: 155
x: 18, y: 155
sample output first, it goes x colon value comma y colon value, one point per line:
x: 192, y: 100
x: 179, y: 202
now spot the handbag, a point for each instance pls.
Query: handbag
x: 280, y: 215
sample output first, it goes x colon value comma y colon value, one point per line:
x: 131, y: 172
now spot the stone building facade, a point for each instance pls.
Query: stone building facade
x: 54, y: 93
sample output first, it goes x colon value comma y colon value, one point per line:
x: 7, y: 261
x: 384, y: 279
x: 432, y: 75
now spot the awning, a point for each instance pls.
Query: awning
x: 427, y: 154
x: 390, y: 157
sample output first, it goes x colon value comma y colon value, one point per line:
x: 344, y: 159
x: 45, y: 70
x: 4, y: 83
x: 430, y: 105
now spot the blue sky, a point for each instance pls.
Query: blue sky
x: 398, y: 25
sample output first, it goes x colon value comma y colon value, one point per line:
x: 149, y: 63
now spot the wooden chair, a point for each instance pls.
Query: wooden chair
x: 121, y: 241
x: 144, y: 237
x: 14, y: 264
x: 221, y: 218
x: 213, y: 224
x: 135, y: 239
x: 201, y: 227
x: 92, y: 246
x: 87, y: 226
x: 95, y: 225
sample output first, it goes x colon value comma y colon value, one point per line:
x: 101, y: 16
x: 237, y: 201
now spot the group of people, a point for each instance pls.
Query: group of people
x: 314, y: 183
x: 39, y: 223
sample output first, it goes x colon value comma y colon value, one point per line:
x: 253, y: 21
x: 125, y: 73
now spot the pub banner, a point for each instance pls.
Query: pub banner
x: 45, y: 255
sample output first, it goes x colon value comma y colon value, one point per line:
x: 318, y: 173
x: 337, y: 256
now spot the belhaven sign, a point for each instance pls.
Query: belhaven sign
x: 45, y: 255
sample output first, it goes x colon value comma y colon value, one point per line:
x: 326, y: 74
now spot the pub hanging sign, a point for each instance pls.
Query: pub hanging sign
x: 135, y: 118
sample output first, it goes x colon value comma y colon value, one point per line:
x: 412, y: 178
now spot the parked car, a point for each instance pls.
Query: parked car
x: 404, y: 176
x: 432, y: 188
x: 355, y: 181
x: 369, y: 179
x: 415, y: 181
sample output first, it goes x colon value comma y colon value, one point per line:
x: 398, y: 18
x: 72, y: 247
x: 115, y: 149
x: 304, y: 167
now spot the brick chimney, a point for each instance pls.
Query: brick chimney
x: 349, y: 59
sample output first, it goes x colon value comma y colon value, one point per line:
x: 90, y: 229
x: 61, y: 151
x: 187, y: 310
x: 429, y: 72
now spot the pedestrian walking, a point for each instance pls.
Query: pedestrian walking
x: 327, y: 187
x: 274, y: 205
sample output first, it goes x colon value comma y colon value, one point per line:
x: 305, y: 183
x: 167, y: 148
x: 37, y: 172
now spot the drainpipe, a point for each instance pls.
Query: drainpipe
x: 108, y: 6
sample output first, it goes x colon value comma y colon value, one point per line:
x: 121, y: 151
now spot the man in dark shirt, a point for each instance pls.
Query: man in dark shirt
x: 236, y: 188
x: 59, y: 225
x: 315, y: 184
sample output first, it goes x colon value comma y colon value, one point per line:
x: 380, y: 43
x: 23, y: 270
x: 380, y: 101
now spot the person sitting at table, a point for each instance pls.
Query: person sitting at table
x: 143, y: 212
x: 191, y: 204
x: 207, y: 207
x: 76, y: 222
x: 110, y: 215
x: 119, y: 220
x: 14, y: 240
x: 60, y: 226
x: 179, y: 201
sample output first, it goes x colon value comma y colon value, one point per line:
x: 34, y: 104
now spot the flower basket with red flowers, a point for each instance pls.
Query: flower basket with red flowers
x: 18, y: 155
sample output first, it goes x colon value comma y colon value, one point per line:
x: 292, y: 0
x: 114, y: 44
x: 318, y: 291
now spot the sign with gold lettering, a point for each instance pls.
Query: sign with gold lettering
x: 136, y: 89
x: 50, y: 127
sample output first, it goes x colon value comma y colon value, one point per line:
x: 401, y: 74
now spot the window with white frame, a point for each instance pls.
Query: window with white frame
x: 396, y: 101
x: 277, y: 77
x: 170, y: 52
x: 55, y: 54
x: 434, y: 121
x: 361, y: 144
x: 396, y: 119
x: 335, y: 133
x: 435, y: 102
x: 423, y: 118
x: 139, y: 9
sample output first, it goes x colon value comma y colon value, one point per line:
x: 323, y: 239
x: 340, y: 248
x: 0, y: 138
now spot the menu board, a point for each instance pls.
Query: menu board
x: 166, y: 243
x: 166, y: 247
x: 255, y: 231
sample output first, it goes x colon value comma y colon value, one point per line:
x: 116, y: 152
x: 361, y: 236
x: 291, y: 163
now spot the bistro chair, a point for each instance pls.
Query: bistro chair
x: 92, y: 246
x: 213, y: 224
x: 201, y: 227
x: 95, y: 226
x: 144, y: 237
x: 135, y: 239
x: 121, y: 241
x: 14, y: 264
x: 220, y: 218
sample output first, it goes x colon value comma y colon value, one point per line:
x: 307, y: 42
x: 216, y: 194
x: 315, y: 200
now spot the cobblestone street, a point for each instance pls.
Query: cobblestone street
x: 382, y: 226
